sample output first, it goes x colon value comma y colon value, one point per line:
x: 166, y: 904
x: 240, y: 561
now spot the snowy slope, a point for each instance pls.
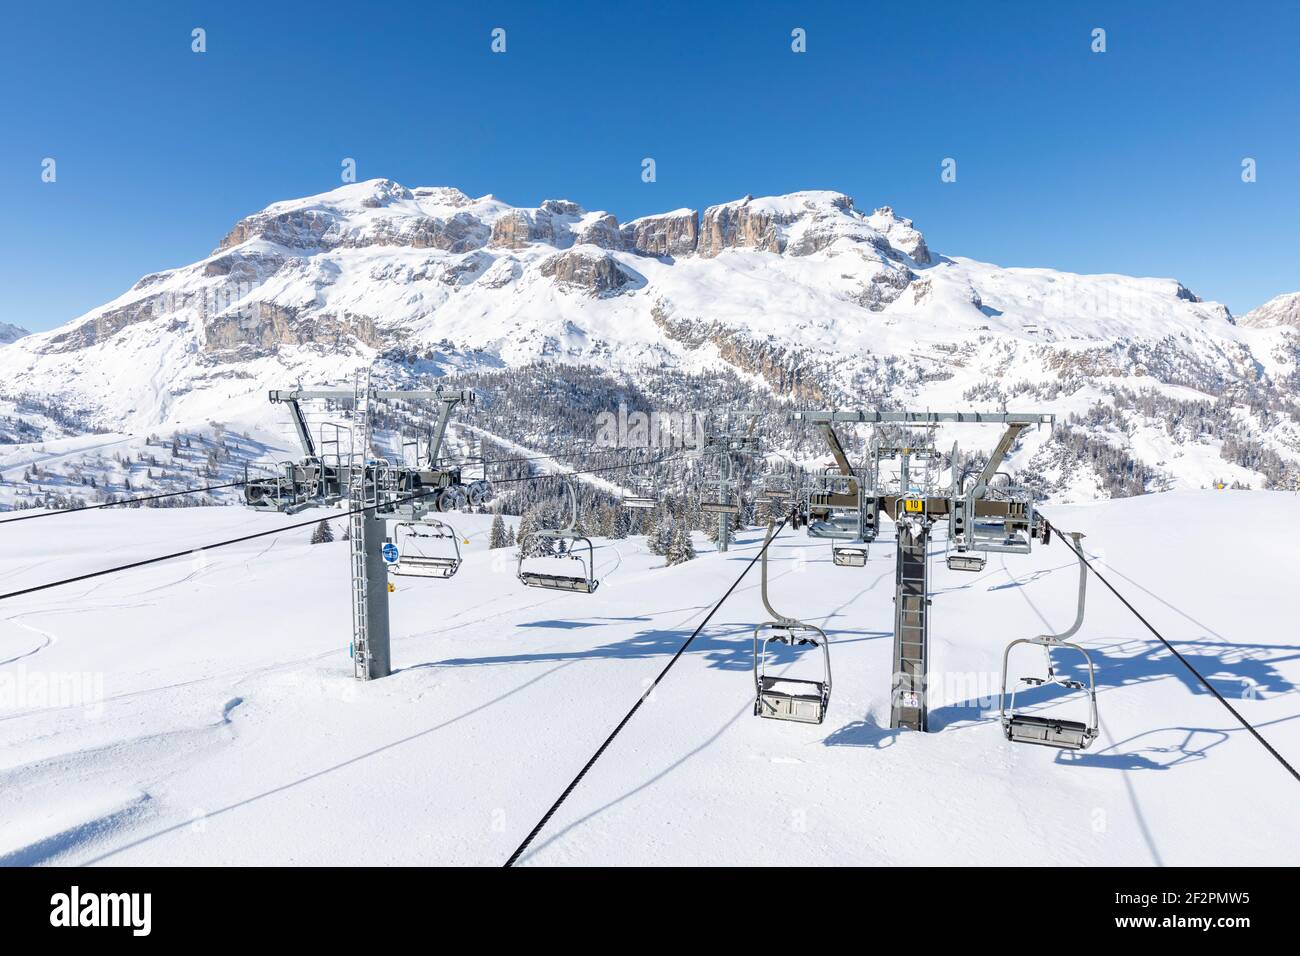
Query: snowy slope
x: 804, y: 293
x: 238, y: 736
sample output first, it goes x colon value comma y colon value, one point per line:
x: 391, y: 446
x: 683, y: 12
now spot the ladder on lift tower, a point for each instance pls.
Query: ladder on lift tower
x: 357, y: 542
x: 911, y: 627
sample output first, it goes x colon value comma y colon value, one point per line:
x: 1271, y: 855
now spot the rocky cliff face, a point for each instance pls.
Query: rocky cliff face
x: 673, y: 234
x: 735, y: 225
x: 593, y: 274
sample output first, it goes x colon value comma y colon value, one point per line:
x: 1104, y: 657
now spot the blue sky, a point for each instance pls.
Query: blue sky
x: 1127, y: 161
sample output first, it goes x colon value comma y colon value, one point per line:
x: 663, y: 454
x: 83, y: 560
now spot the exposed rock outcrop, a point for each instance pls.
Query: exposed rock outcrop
x: 522, y: 226
x: 788, y: 371
x: 266, y: 325
x: 901, y: 233
x: 586, y: 271
x: 602, y: 232
x: 672, y: 234
x: 734, y: 225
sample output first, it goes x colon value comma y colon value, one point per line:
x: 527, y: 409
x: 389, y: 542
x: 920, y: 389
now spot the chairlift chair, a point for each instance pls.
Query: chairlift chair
x: 850, y: 554
x: 1050, y: 731
x: 416, y: 542
x: 787, y: 698
x: 802, y: 699
x: 645, y: 495
x: 966, y: 562
x: 569, y: 545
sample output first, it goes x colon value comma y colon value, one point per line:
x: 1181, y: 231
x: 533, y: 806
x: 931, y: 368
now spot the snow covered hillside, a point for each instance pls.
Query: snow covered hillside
x: 804, y: 297
x: 203, y: 710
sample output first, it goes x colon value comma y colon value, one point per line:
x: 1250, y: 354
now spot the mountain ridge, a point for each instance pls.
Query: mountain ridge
x: 803, y: 293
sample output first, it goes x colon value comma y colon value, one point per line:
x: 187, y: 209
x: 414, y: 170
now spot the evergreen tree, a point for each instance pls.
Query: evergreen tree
x: 680, y: 548
x: 497, y: 536
x: 660, y: 539
x: 711, y: 528
x: 608, y: 522
x: 528, y: 523
x: 323, y: 533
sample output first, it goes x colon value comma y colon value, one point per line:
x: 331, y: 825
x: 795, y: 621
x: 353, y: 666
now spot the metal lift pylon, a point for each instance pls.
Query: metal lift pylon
x: 371, y: 657
x: 376, y: 490
x: 908, y: 708
x: 914, y: 514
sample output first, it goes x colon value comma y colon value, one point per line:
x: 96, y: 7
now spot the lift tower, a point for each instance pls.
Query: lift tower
x: 977, y: 521
x: 730, y: 447
x: 376, y: 491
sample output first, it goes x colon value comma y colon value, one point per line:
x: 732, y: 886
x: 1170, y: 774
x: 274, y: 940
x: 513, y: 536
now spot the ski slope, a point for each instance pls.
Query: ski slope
x: 221, y: 724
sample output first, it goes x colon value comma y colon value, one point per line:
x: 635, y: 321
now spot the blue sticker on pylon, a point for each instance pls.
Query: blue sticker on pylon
x: 390, y: 553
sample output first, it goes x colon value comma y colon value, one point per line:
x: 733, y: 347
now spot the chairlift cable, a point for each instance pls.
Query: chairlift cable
x: 514, y: 857
x: 250, y: 537
x: 1182, y: 660
x: 124, y: 501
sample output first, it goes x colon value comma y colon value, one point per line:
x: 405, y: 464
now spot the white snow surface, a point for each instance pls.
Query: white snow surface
x: 220, y: 723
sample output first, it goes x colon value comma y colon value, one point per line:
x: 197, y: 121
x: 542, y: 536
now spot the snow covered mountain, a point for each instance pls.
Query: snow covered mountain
x: 1279, y: 310
x: 803, y: 296
x: 11, y: 333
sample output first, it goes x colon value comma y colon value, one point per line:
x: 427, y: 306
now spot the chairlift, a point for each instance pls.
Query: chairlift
x: 566, y: 544
x: 428, y: 549
x: 845, y: 527
x: 1050, y: 731
x: 850, y: 554
x: 966, y: 562
x: 645, y: 496
x: 801, y: 699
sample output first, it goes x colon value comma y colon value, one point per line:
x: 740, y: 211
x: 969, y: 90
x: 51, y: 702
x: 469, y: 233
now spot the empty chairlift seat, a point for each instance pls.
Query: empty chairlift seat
x: 1050, y: 730
x: 543, y: 553
x: 849, y: 554
x: 427, y: 549
x: 966, y: 562
x: 780, y: 697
